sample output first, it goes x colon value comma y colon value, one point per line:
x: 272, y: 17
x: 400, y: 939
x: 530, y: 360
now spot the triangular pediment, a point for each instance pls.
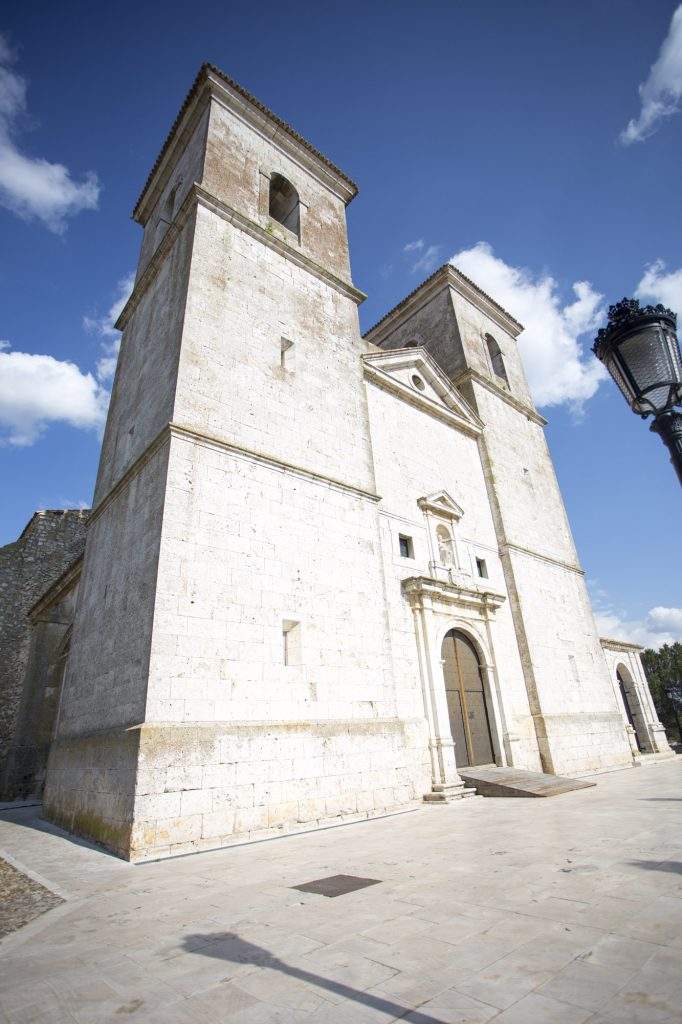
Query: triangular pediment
x: 441, y: 504
x: 413, y: 375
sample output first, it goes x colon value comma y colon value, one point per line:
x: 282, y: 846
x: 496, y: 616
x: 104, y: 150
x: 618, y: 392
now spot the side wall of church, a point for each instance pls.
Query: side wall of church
x: 144, y: 385
x: 93, y: 761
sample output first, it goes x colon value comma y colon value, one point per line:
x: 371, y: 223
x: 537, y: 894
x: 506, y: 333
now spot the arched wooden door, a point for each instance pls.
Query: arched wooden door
x: 469, y: 719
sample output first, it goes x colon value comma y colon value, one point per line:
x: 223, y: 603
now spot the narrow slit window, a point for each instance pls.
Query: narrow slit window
x: 406, y: 546
x: 285, y: 206
x: 291, y: 642
x: 482, y: 568
x: 287, y: 354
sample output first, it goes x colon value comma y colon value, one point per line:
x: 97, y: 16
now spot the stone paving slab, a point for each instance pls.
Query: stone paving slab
x: 512, y: 911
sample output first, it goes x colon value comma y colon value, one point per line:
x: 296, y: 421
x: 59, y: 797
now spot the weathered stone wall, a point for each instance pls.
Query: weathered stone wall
x: 50, y: 627
x: 51, y: 541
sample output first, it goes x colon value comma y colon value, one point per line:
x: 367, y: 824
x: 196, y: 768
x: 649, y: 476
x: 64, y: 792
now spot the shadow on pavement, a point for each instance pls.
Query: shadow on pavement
x: 229, y: 946
x: 672, y: 866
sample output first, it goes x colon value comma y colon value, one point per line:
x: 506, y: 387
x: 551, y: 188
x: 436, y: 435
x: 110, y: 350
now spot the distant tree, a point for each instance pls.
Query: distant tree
x: 664, y: 672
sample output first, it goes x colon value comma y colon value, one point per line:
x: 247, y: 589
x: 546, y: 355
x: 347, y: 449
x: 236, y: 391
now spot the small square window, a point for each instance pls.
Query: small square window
x: 406, y: 546
x: 482, y: 568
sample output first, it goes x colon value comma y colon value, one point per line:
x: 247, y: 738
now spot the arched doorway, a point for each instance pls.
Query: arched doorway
x: 467, y: 707
x: 624, y: 685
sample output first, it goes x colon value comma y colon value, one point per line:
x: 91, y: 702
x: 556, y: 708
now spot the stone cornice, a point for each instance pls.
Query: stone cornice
x: 424, y: 589
x: 211, y: 82
x: 162, y: 438
x: 612, y: 644
x: 506, y: 396
x: 221, y: 444
x: 543, y: 558
x: 211, y: 441
x: 446, y: 276
x: 199, y: 196
x: 456, y: 412
x: 61, y: 586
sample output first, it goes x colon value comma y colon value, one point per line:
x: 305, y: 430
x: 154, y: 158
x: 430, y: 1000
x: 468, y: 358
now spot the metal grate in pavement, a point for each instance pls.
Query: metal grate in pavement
x: 336, y: 885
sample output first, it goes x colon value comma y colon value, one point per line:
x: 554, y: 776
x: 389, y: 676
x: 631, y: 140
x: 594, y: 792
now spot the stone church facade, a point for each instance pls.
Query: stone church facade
x: 323, y: 572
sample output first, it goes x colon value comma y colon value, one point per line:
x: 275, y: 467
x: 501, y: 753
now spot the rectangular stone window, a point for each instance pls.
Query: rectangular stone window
x: 291, y: 642
x: 482, y: 568
x: 406, y: 546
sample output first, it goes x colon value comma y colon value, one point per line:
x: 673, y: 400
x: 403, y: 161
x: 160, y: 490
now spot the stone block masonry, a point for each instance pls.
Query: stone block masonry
x: 51, y: 541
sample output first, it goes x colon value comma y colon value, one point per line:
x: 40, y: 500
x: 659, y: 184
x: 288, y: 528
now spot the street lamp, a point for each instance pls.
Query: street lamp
x: 639, y: 348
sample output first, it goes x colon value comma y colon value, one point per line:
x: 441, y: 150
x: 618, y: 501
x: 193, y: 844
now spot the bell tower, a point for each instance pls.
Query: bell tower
x: 233, y: 550
x: 571, y: 697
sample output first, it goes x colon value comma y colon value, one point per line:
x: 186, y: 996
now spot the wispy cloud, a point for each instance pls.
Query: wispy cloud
x: 661, y: 93
x: 31, y: 187
x: 660, y: 285
x: 104, y: 327
x: 661, y: 625
x: 556, y: 364
x: 423, y: 258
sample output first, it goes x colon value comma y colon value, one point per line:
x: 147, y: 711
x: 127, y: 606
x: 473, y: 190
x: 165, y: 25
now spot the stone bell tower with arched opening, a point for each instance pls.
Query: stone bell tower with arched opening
x: 576, y: 719
x: 230, y: 666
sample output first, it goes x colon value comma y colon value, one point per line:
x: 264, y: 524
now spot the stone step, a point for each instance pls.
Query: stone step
x: 493, y: 781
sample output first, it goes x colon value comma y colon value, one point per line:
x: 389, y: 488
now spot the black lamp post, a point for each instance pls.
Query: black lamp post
x: 639, y: 348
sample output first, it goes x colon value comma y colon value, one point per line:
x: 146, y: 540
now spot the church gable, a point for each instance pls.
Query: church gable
x: 413, y: 375
x: 441, y: 504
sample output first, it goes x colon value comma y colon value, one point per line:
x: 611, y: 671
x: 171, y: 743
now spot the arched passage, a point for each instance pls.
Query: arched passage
x: 467, y: 703
x: 630, y: 703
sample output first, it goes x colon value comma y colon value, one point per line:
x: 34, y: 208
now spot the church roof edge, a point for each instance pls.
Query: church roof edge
x: 205, y: 70
x: 446, y: 271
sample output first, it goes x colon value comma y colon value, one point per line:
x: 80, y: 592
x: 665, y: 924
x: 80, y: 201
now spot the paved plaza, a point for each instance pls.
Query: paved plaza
x: 516, y: 911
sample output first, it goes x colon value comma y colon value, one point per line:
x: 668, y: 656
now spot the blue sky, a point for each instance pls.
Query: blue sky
x: 512, y: 137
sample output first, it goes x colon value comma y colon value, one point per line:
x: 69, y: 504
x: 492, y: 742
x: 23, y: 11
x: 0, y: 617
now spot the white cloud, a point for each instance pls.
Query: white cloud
x: 660, y: 625
x: 669, y: 619
x: 661, y: 93
x: 554, y: 359
x: 657, y: 285
x: 30, y: 186
x: 653, y: 631
x: 423, y: 257
x: 104, y: 326
x: 36, y: 390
